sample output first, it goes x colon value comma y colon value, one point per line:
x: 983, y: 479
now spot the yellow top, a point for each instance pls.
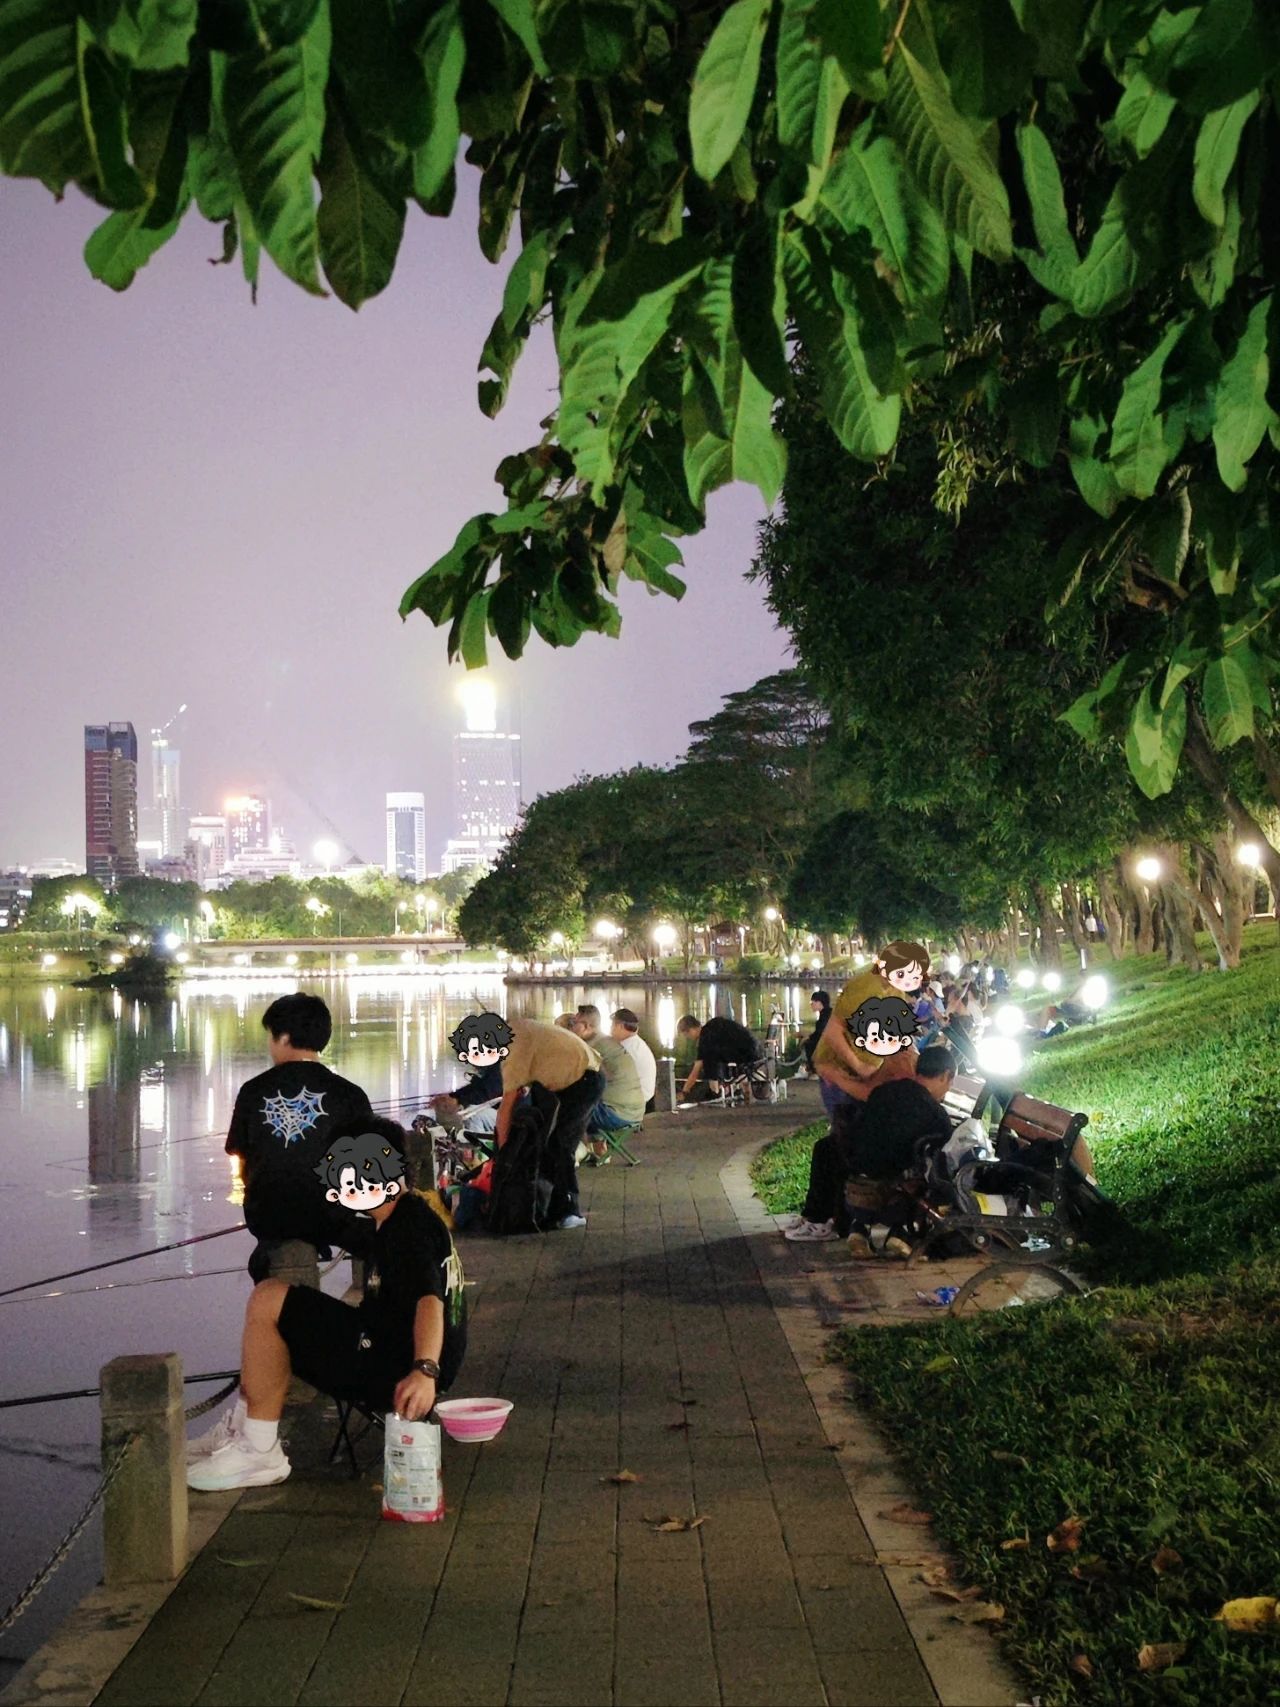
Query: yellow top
x: 545, y: 1055
x: 850, y: 999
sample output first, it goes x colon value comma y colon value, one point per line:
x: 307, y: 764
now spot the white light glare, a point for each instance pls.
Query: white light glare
x: 953, y: 965
x: 1001, y: 1057
x: 1149, y: 869
x: 1010, y: 1020
x: 1095, y: 992
x: 1249, y: 853
x: 1052, y: 982
x: 171, y: 940
x: 1026, y: 979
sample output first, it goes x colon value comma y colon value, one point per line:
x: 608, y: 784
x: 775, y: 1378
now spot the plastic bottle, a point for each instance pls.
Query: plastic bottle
x: 413, y: 1490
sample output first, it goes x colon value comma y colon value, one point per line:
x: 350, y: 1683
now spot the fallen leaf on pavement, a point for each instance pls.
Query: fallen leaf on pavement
x: 1166, y: 1559
x: 1015, y: 1543
x: 240, y: 1564
x: 621, y: 1478
x: 903, y: 1513
x: 1066, y: 1537
x: 1081, y: 1664
x: 1256, y: 1612
x: 980, y: 1612
x: 1090, y: 1570
x: 315, y: 1604
x: 675, y: 1525
x: 945, y: 1592
x: 1155, y: 1656
x: 936, y: 1575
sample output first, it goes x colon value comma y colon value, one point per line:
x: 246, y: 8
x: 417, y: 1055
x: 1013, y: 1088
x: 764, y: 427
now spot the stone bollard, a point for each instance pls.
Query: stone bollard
x: 296, y: 1263
x: 144, y: 1511
x: 664, y: 1093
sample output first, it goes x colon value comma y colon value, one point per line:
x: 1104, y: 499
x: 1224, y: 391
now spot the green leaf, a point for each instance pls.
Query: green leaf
x: 1232, y: 47
x: 1082, y: 716
x: 724, y: 85
x: 1055, y: 28
x: 1111, y: 267
x: 103, y: 114
x: 125, y: 242
x: 1229, y: 695
x: 41, y: 132
x: 153, y: 35
x: 799, y: 67
x: 360, y: 222
x: 650, y: 554
x: 586, y: 38
x: 862, y: 417
x: 273, y: 107
x: 852, y: 33
x: 444, y: 56
x: 1154, y: 741
x: 759, y: 305
x: 467, y: 638
x: 1142, y: 114
x: 1058, y: 262
x: 1216, y: 147
x: 1243, y: 414
x: 727, y: 413
x: 987, y: 58
x: 383, y: 79
x: 517, y: 15
x: 467, y: 558
x: 1141, y: 448
x: 953, y: 161
x: 1097, y: 484
x: 870, y: 189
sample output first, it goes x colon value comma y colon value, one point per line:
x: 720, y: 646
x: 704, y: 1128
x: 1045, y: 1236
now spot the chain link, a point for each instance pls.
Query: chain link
x: 69, y: 1540
x: 194, y: 1411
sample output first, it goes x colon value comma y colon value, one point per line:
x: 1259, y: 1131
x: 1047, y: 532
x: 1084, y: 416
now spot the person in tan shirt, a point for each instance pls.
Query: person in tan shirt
x: 849, y: 1074
x: 563, y: 1077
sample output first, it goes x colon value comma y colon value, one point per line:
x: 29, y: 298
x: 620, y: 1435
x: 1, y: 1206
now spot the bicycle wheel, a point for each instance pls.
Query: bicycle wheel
x: 1005, y: 1285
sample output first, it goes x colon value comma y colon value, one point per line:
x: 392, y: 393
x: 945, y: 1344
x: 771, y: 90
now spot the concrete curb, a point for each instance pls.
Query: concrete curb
x: 963, y: 1664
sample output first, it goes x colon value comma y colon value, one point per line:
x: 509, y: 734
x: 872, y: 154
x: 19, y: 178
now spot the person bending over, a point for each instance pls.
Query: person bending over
x: 480, y: 1042
x: 280, y: 1126
x: 720, y: 1043
x: 563, y: 1077
x: 399, y: 1349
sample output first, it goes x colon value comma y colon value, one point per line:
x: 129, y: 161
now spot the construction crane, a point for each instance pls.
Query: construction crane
x: 159, y: 734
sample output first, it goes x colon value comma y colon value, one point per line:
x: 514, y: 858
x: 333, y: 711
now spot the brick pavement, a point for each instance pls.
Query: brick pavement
x: 648, y: 1342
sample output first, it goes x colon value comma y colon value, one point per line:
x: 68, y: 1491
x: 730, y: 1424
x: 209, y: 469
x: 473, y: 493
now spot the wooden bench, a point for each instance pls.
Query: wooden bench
x: 1026, y: 1121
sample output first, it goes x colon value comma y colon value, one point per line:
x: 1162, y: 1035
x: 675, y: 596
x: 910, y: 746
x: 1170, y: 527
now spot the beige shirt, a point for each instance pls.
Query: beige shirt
x: 542, y: 1054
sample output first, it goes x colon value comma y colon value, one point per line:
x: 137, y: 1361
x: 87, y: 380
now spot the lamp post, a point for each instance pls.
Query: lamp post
x: 400, y: 907
x: 317, y: 909
x: 326, y: 853
x: 77, y: 905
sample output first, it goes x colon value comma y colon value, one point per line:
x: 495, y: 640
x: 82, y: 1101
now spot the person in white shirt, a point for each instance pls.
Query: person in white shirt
x: 625, y: 1027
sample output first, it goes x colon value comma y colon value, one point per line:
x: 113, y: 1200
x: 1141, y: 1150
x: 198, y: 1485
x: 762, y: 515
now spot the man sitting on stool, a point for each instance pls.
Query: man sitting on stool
x: 398, y: 1350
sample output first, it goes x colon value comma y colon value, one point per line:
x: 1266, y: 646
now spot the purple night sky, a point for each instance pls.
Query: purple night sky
x: 222, y: 504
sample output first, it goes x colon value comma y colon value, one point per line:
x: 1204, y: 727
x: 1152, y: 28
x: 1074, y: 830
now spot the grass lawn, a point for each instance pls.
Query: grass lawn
x: 1150, y: 1410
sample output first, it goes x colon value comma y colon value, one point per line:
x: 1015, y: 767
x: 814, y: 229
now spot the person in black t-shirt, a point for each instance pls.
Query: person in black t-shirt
x: 280, y: 1126
x: 400, y: 1349
x: 882, y: 1146
x: 721, y: 1043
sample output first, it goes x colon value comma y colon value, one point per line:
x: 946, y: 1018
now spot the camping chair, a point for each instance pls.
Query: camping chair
x: 351, y: 1405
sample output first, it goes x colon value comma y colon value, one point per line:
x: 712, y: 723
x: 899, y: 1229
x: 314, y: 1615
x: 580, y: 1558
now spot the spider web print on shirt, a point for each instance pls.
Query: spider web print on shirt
x: 290, y: 1117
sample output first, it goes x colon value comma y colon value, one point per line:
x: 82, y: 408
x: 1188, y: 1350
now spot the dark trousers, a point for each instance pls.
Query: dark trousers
x: 828, y: 1170
x: 570, y: 1107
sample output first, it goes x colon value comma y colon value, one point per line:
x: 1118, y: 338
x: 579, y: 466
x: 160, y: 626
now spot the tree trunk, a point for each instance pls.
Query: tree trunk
x: 1179, y: 904
x: 1208, y: 893
x: 1112, y: 917
x: 1050, y: 955
x: 1209, y: 769
x: 1073, y: 916
x: 1268, y: 763
x: 1143, y: 919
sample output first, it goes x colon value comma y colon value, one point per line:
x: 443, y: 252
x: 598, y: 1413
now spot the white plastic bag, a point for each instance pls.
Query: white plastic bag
x: 412, y: 1488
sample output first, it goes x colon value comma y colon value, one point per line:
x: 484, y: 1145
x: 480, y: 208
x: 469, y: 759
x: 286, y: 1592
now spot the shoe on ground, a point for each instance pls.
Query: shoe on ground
x: 223, y: 1431
x: 570, y: 1222
x: 897, y: 1248
x: 811, y: 1232
x: 237, y: 1465
x: 860, y: 1247
x: 791, y: 1222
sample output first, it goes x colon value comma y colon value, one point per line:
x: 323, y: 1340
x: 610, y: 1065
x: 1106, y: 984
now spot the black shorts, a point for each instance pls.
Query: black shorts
x: 330, y: 1348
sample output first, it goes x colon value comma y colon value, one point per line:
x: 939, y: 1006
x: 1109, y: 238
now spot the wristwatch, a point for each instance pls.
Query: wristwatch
x: 428, y: 1366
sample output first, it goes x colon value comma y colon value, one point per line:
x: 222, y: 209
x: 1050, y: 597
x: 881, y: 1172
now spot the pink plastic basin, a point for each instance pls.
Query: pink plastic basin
x: 473, y: 1419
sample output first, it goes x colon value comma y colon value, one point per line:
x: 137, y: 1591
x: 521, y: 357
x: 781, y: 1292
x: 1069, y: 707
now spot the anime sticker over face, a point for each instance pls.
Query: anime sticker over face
x: 905, y: 965
x: 882, y: 1025
x: 481, y: 1040
x: 362, y: 1173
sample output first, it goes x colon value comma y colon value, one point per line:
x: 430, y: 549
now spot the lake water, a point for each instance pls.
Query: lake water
x: 112, y: 1116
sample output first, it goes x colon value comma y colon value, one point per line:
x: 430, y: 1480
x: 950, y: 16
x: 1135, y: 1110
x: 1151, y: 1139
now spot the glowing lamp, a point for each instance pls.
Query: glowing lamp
x: 1149, y: 869
x: 170, y: 940
x: 1052, y: 982
x: 1026, y: 979
x: 1095, y: 992
x: 1010, y: 1020
x: 1249, y: 853
x: 1000, y: 1057
x: 953, y: 965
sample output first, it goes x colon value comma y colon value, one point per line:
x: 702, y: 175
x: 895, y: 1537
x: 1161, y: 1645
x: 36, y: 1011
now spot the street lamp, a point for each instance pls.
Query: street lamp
x: 665, y: 937
x: 326, y: 853
x: 317, y: 909
x: 1149, y: 869
x: 400, y: 907
x: 1250, y: 854
x: 556, y: 939
x: 77, y: 904
x: 771, y: 913
x: 1026, y: 979
x: 1052, y: 982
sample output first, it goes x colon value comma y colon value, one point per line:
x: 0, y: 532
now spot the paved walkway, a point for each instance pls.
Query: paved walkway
x: 675, y: 1338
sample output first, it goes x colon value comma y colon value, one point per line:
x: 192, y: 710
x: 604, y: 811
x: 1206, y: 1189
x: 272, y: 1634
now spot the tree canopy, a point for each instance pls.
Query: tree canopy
x: 1062, y: 213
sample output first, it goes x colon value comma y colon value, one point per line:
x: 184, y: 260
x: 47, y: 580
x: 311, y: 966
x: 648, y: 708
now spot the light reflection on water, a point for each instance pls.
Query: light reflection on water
x: 112, y: 1114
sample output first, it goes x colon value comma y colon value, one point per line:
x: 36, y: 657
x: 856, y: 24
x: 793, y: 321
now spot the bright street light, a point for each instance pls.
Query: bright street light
x: 291, y: 960
x: 1001, y: 1057
x: 556, y: 939
x: 1095, y: 992
x: 48, y: 960
x: 1026, y: 979
x: 664, y: 936
x: 1010, y: 1020
x: 170, y: 940
x: 353, y: 960
x: 207, y: 912
x: 182, y: 957
x: 326, y: 853
x: 771, y: 914
x: 1052, y: 982
x: 1249, y: 853
x: 606, y: 930
x: 953, y: 965
x: 1149, y: 869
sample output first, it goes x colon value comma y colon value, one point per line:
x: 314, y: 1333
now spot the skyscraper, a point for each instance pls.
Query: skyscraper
x: 407, y: 836
x: 165, y: 800
x: 207, y: 847
x: 110, y: 801
x: 248, y: 823
x: 486, y: 781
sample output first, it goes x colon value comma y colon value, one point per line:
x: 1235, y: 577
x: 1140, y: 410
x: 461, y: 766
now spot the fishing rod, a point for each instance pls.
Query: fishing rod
x: 114, y: 1262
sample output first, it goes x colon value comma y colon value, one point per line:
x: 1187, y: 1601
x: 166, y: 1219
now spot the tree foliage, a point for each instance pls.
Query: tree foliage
x: 1064, y: 212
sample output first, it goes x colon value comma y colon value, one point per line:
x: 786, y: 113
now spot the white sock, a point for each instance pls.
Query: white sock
x: 260, y: 1435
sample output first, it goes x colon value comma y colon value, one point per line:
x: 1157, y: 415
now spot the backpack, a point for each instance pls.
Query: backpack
x: 519, y: 1194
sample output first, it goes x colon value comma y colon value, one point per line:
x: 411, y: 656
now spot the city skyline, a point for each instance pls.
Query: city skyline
x: 240, y: 538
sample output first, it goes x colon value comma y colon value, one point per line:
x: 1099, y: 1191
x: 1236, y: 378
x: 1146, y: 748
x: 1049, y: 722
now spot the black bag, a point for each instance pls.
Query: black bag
x: 520, y: 1193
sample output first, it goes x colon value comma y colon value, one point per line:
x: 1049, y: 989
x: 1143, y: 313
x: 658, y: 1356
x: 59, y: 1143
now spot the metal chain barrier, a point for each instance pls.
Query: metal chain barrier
x: 194, y: 1411
x: 69, y: 1540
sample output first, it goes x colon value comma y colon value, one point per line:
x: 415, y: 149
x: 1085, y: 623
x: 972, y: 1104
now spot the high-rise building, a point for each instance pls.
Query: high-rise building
x: 407, y: 836
x: 166, y: 823
x: 207, y: 847
x: 110, y: 801
x: 486, y: 781
x: 248, y: 823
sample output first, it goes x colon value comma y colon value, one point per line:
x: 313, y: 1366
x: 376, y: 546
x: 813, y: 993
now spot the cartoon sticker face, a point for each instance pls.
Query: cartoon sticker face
x: 882, y: 1025
x: 907, y: 978
x: 905, y: 965
x: 362, y: 1173
x: 481, y: 1040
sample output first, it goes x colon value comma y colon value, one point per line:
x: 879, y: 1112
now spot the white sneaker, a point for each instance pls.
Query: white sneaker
x: 224, y: 1430
x: 791, y: 1222
x: 810, y: 1232
x: 237, y: 1465
x: 570, y: 1222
